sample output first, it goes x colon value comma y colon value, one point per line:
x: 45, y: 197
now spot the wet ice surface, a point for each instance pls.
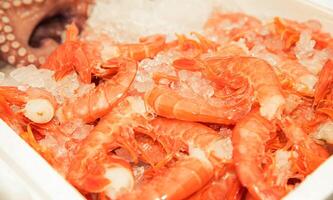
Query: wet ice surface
x: 190, y: 84
x: 68, y: 87
x: 162, y: 63
x: 193, y: 84
x: 312, y: 59
x: 260, y: 51
x: 132, y: 19
x: 62, y: 146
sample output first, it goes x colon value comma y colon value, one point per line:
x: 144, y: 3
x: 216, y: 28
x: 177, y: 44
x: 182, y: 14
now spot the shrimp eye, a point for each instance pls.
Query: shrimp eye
x: 39, y: 110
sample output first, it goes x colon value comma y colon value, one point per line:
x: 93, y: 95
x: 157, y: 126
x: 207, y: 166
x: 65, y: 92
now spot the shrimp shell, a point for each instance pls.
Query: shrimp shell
x: 104, y: 97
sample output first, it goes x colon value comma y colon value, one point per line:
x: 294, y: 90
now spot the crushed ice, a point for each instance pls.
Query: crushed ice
x: 68, y: 87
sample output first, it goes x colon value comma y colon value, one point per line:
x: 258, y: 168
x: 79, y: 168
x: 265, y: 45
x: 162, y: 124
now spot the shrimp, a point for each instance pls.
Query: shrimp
x: 249, y: 138
x: 74, y: 54
x: 147, y: 48
x: 205, y: 153
x: 94, y: 168
x: 302, y: 80
x: 168, y: 103
x: 36, y: 104
x: 224, y: 185
x: 270, y: 182
x: 310, y: 154
x: 100, y: 101
x: 85, y: 59
x: 260, y: 75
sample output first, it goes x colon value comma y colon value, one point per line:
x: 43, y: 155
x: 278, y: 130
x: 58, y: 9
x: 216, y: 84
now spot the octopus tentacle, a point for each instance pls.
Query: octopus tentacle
x: 18, y: 20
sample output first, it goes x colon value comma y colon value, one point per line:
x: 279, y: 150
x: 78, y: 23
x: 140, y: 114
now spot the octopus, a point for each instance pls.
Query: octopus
x: 31, y: 29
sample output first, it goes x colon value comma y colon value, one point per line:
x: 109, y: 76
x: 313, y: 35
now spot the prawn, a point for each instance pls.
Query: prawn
x: 260, y: 75
x: 224, y: 71
x: 74, y: 54
x: 168, y: 103
x: 85, y: 59
x: 104, y: 97
x: 204, y: 146
x: 311, y: 155
x: 94, y: 168
x: 249, y: 138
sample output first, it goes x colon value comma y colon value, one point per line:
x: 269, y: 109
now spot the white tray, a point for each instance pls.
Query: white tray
x: 24, y: 175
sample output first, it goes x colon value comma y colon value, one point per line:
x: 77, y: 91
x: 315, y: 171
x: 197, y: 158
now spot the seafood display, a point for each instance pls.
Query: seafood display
x: 241, y: 110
